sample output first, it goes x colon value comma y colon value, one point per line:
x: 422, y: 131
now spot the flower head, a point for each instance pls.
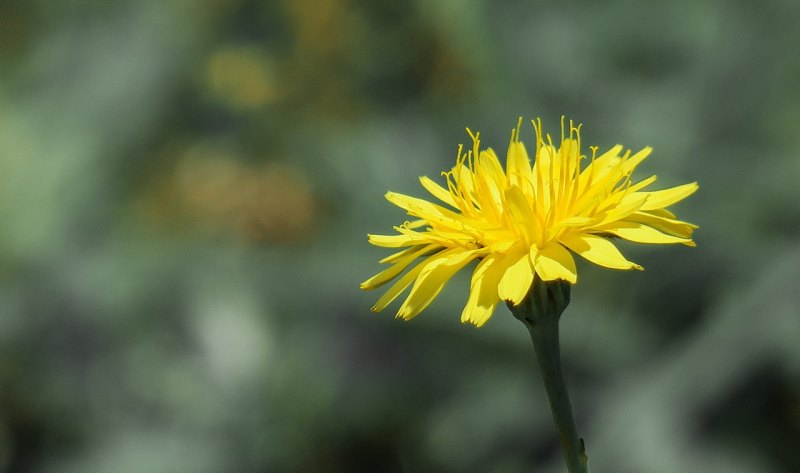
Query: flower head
x: 524, y: 221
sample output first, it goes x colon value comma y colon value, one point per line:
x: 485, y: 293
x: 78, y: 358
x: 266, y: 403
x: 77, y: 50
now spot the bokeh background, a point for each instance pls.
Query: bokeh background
x: 186, y: 188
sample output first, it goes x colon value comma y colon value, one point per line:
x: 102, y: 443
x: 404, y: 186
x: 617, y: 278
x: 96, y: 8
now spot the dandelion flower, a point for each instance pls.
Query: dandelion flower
x: 524, y: 222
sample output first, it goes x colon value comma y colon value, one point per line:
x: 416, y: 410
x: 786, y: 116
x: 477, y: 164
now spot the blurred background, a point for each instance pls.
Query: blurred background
x: 186, y: 188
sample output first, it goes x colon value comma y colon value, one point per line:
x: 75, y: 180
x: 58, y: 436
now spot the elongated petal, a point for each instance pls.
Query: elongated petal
x: 400, y: 264
x: 422, y: 208
x: 555, y: 262
x: 626, y: 206
x: 483, y: 291
x: 662, y: 213
x: 432, y: 280
x: 463, y: 176
x: 393, y: 241
x: 598, y: 250
x: 518, y: 165
x: 395, y: 256
x: 664, y: 223
x: 387, y: 274
x: 517, y: 277
x: 490, y: 183
x: 633, y: 161
x: 491, y: 165
x: 543, y: 181
x: 600, y: 166
x: 520, y: 212
x: 640, y: 233
x: 400, y: 286
x: 439, y: 236
x: 505, y: 245
x: 576, y: 222
x: 667, y: 197
x: 438, y: 191
x: 642, y: 184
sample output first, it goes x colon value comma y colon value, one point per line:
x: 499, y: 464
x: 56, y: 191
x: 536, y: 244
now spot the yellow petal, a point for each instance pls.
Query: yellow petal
x: 491, y: 165
x: 662, y: 213
x: 437, y: 191
x: 555, y: 262
x: 518, y: 164
x: 600, y: 176
x: 400, y: 264
x: 490, y: 183
x: 569, y: 170
x: 425, y: 210
x: 598, y: 250
x: 432, y: 280
x: 664, y: 224
x: 483, y: 290
x: 503, y: 245
x: 626, y: 206
x: 415, y: 223
x: 517, y: 277
x: 667, y: 197
x: 463, y: 176
x: 520, y: 212
x: 399, y: 254
x: 542, y: 171
x: 438, y: 236
x: 642, y: 184
x: 633, y: 161
x: 640, y: 233
x: 576, y: 222
x: 400, y: 286
x: 393, y: 241
x: 600, y: 166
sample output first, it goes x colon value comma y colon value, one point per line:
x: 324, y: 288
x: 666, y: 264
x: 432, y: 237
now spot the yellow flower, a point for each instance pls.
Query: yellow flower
x: 523, y: 221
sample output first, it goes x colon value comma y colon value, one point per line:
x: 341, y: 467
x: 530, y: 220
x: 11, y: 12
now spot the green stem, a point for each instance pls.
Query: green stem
x: 540, y: 312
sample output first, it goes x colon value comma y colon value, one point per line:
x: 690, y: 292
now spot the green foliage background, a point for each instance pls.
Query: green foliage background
x: 186, y: 188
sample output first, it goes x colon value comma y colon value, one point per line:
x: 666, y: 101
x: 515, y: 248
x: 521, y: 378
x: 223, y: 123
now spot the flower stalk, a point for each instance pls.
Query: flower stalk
x: 540, y: 312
